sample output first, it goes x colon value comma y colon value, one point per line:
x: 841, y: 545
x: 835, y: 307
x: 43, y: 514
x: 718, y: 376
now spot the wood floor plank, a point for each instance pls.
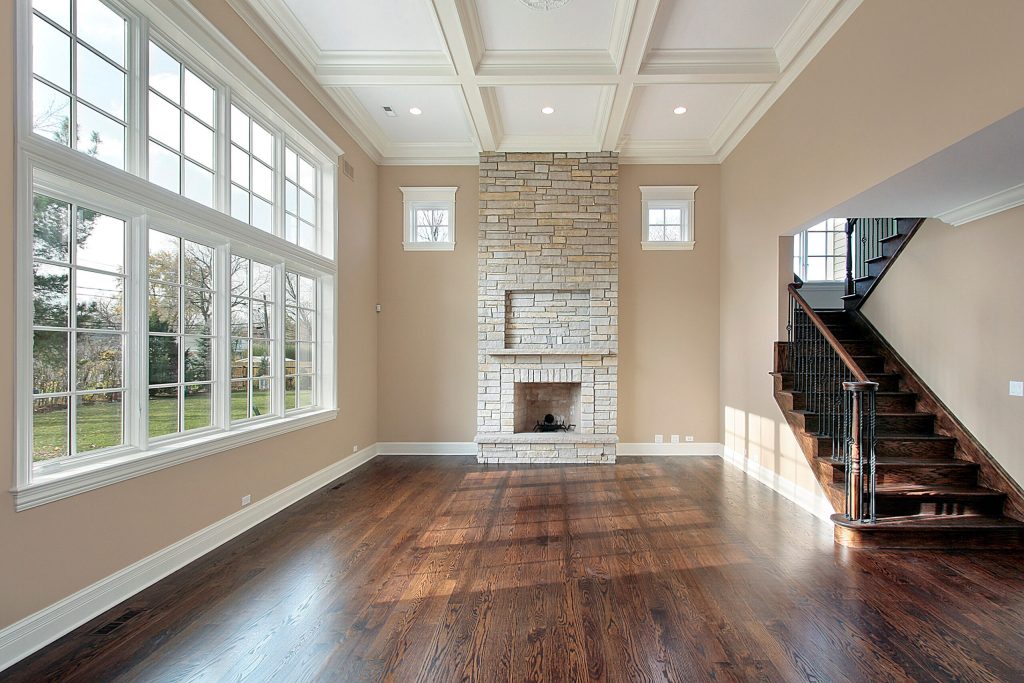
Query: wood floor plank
x: 438, y: 569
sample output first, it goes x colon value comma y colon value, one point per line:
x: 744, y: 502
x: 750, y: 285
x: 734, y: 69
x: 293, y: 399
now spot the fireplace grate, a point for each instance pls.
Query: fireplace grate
x: 548, y: 424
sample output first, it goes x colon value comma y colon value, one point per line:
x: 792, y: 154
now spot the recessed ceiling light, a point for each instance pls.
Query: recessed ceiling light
x: 415, y: 111
x: 548, y: 110
x: 679, y: 110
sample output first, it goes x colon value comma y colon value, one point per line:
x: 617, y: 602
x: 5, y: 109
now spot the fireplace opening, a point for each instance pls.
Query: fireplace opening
x: 535, y: 402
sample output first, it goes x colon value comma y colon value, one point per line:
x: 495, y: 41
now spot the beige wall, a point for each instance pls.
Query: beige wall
x: 668, y: 324
x: 56, y: 549
x: 668, y: 315
x: 922, y: 74
x: 952, y: 307
x: 427, y: 363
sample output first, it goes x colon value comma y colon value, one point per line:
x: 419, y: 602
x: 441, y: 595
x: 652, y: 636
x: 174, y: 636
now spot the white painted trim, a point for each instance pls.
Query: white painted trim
x: 657, y: 449
x: 814, y: 502
x: 35, y: 631
x: 984, y: 207
x: 416, y: 198
x: 667, y: 246
x: 426, y: 448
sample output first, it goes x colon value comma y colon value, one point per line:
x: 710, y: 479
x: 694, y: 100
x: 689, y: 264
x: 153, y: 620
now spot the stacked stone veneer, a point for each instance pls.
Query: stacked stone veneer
x: 548, y: 276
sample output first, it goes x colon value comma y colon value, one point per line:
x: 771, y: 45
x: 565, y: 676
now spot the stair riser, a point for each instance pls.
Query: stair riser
x: 886, y: 382
x: 896, y: 404
x: 860, y: 348
x: 931, y: 475
x: 894, y: 448
x: 902, y: 506
x: 954, y: 539
x: 920, y: 423
x: 933, y: 450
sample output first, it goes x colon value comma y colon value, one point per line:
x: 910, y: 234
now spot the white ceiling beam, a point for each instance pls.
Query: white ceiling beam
x: 645, y: 13
x: 463, y: 38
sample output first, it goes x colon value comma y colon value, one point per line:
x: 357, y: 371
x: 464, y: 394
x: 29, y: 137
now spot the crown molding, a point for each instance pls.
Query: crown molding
x: 659, y: 152
x: 710, y: 66
x: 347, y: 103
x: 739, y: 110
x: 802, y: 30
x: 406, y: 64
x: 544, y: 62
x: 1009, y: 198
x: 278, y: 15
x: 622, y: 24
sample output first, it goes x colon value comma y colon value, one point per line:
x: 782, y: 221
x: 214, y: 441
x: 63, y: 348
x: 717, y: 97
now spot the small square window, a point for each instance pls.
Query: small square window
x: 667, y: 217
x: 429, y: 218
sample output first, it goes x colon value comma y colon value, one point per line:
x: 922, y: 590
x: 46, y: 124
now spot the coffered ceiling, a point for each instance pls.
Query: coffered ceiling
x: 610, y: 73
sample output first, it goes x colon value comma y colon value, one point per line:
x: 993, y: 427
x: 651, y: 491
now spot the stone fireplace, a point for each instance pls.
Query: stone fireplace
x: 548, y: 306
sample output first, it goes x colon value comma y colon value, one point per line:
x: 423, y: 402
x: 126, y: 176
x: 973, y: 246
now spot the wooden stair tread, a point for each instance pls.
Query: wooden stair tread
x: 892, y: 238
x: 907, y: 462
x: 914, y: 437
x: 876, y: 259
x: 935, y: 491
x: 935, y: 522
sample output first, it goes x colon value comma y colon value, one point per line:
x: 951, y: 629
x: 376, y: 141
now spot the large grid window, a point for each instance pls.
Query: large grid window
x: 819, y: 253
x: 252, y: 171
x: 299, y: 200
x: 300, y: 341
x: 80, y: 76
x: 252, y: 341
x: 182, y: 131
x: 152, y: 324
x: 181, y: 343
x: 78, y: 336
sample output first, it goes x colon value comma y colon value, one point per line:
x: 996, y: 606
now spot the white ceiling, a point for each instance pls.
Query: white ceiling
x: 481, y: 70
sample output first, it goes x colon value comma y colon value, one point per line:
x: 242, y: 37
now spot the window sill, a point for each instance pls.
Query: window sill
x: 667, y: 246
x: 429, y: 246
x: 72, y: 480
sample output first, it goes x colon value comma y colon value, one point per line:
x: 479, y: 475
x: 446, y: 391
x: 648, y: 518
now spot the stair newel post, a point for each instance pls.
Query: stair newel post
x: 850, y: 224
x: 860, y: 469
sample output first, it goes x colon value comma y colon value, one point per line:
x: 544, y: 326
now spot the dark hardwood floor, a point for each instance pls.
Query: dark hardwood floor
x: 438, y: 569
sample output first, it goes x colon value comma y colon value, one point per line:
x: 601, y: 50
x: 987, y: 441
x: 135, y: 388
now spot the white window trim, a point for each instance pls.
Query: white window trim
x: 668, y: 197
x: 52, y: 168
x: 414, y: 198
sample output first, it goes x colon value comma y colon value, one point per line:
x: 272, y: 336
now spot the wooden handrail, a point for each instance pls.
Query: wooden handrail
x: 843, y: 354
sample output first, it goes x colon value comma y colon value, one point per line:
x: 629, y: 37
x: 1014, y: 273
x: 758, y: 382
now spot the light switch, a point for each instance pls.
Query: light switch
x: 1016, y: 388
x: 675, y: 438
x: 659, y: 438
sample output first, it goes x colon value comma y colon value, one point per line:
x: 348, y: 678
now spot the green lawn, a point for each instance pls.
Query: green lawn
x: 99, y: 424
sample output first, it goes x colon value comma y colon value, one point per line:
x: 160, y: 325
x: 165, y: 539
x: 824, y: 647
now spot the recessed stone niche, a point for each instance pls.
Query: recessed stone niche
x: 547, y: 306
x: 535, y: 400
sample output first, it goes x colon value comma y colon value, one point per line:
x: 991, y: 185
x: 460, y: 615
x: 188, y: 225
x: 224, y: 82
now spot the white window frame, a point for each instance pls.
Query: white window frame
x: 679, y: 197
x: 51, y: 168
x: 420, y: 198
x: 801, y: 257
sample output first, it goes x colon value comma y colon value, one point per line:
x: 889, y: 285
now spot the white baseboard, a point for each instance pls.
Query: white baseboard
x: 669, y: 449
x: 35, y: 631
x: 814, y: 502
x: 426, y: 448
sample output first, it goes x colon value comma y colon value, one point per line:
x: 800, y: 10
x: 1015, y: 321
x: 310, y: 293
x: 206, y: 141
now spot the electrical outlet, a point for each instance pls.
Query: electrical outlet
x: 1016, y: 388
x: 675, y: 438
x: 246, y: 499
x: 659, y: 438
x: 355, y: 448
x: 689, y: 439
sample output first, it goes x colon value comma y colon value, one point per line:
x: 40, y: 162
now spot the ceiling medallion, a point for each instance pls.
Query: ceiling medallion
x: 544, y: 5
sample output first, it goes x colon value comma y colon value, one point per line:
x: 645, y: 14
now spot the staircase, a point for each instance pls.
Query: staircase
x: 926, y: 496
x: 898, y: 467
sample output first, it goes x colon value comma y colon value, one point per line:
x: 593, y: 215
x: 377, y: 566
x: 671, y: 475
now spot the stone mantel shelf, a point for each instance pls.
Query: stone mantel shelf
x: 555, y: 351
x: 545, y: 437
